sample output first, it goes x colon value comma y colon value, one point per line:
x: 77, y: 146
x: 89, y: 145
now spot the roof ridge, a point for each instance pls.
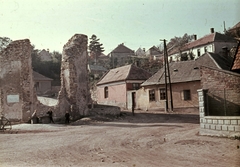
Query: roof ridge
x: 213, y: 60
x: 129, y: 71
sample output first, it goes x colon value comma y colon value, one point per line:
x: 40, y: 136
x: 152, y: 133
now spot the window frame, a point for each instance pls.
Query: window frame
x: 136, y: 86
x: 205, y: 49
x: 151, y: 94
x: 162, y: 94
x: 186, y: 94
x: 198, y: 52
x: 106, y: 93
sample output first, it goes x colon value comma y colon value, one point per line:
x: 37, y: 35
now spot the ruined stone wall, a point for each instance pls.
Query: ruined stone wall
x: 74, y: 95
x: 17, y: 95
x: 18, y: 98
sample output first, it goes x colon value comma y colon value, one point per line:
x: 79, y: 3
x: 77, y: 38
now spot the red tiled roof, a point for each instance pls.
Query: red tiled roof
x: 122, y: 49
x: 213, y: 37
x: 235, y: 27
x: 236, y: 63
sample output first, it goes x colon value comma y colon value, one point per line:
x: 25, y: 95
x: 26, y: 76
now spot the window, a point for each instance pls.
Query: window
x: 162, y: 94
x: 105, y: 92
x: 186, y: 95
x: 198, y: 52
x: 136, y: 86
x: 205, y: 49
x: 152, y: 95
x: 36, y: 85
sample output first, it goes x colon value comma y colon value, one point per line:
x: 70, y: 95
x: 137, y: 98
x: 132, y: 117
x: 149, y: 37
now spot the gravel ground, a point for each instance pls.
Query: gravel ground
x: 143, y: 140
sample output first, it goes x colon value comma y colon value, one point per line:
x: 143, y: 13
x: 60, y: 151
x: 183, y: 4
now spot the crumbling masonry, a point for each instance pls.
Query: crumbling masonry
x: 18, y: 98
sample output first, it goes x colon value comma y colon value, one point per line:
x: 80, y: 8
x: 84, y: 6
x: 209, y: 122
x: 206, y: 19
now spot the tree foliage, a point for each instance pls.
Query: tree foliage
x: 179, y: 41
x: 4, y: 42
x: 95, y: 48
x: 50, y: 69
x: 235, y: 33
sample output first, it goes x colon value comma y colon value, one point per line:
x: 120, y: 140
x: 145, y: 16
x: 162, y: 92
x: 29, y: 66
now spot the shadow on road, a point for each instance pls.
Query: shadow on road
x: 126, y: 119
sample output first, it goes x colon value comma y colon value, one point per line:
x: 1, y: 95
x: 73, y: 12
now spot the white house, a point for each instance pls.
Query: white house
x: 214, y: 42
x: 45, y: 55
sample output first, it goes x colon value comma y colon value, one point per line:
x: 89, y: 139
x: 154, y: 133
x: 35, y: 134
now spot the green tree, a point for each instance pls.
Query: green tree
x: 95, y: 48
x: 50, y: 69
x: 235, y: 33
x: 4, y: 42
x: 178, y: 42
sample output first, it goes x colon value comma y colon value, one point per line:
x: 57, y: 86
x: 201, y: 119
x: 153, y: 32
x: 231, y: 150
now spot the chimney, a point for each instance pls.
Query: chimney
x: 144, y: 49
x: 225, y: 51
x: 212, y: 30
x: 195, y: 37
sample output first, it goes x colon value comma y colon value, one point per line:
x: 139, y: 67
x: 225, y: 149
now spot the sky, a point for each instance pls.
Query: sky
x: 49, y: 24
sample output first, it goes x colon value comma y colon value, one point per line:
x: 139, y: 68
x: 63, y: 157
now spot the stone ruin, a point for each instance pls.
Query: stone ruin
x: 18, y: 99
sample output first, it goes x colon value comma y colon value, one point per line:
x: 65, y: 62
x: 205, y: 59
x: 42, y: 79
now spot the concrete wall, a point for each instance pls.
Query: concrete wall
x: 142, y: 96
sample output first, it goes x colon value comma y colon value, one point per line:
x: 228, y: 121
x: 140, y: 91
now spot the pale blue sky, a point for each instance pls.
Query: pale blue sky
x: 137, y: 23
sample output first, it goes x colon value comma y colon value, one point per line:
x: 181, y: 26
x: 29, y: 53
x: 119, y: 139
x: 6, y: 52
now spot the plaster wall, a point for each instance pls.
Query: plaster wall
x: 142, y: 96
x: 116, y: 95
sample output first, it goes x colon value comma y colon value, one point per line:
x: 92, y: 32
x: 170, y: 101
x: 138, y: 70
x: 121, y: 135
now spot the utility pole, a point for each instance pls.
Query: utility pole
x: 167, y: 78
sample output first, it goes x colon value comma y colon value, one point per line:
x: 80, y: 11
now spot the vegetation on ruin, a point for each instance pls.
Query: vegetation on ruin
x: 4, y: 41
x: 95, y: 48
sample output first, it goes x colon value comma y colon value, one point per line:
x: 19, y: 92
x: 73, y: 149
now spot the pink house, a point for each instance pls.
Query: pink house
x: 118, y: 86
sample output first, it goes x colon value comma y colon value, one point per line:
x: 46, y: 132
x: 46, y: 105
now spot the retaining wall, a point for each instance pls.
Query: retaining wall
x: 228, y: 126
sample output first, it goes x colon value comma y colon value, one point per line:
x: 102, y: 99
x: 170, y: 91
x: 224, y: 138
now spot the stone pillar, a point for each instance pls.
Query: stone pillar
x: 74, y: 95
x: 202, y: 109
x: 16, y: 81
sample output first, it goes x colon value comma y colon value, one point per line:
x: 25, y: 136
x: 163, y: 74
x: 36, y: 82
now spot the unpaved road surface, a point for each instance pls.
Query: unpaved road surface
x: 143, y: 140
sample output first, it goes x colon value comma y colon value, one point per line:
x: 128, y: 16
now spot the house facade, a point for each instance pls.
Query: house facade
x: 42, y: 84
x: 185, y: 81
x: 213, y: 42
x: 120, y: 55
x: 44, y: 55
x: 140, y: 52
x: 154, y: 53
x: 118, y: 86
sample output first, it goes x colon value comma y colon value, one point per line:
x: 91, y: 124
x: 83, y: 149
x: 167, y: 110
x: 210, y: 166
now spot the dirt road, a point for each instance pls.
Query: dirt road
x: 145, y: 140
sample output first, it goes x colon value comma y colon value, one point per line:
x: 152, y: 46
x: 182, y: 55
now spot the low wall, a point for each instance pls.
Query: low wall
x: 105, y: 110
x: 228, y: 126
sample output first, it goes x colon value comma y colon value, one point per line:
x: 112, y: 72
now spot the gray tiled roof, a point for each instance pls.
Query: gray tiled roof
x: 37, y: 76
x: 182, y: 71
x: 186, y: 71
x: 128, y: 72
x: 97, y: 68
